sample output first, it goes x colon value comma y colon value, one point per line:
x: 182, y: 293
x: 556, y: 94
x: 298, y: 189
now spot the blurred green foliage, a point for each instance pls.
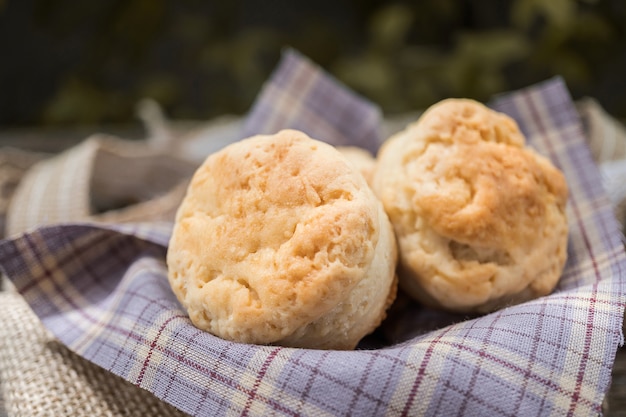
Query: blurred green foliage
x: 67, y: 62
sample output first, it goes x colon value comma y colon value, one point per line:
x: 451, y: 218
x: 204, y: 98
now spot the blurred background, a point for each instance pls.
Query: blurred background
x: 75, y: 63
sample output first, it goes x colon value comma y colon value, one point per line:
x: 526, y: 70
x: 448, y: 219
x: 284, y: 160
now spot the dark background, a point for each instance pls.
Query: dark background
x: 65, y: 63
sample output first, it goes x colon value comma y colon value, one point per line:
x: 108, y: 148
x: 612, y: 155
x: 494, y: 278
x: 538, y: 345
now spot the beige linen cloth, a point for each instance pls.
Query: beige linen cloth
x: 111, y: 180
x: 13, y: 165
x: 102, y: 179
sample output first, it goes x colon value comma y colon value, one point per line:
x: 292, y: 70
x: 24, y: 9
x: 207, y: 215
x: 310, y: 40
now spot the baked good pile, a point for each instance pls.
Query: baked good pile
x: 281, y: 239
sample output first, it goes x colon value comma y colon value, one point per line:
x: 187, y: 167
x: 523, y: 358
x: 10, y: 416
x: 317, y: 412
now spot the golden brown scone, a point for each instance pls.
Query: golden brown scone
x: 280, y: 241
x: 479, y: 218
x: 361, y: 159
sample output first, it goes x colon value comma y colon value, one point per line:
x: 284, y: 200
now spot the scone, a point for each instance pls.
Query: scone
x: 361, y: 159
x: 479, y: 217
x: 279, y: 240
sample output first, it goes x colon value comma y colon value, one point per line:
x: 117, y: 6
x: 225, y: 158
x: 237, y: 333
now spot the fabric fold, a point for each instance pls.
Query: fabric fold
x: 300, y: 95
x: 102, y: 179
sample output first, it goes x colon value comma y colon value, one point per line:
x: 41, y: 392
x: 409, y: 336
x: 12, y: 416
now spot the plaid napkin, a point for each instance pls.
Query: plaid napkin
x: 299, y: 95
x: 103, y: 292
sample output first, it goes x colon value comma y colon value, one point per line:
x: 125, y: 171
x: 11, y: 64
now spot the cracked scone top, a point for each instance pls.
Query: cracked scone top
x: 479, y: 218
x: 279, y: 240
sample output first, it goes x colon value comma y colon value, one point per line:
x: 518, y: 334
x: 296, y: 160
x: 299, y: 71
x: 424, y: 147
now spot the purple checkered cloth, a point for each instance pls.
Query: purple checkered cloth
x: 103, y: 291
x: 300, y: 95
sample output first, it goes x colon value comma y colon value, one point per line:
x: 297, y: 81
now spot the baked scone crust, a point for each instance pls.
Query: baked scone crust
x: 280, y: 241
x: 479, y: 217
x: 361, y: 159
